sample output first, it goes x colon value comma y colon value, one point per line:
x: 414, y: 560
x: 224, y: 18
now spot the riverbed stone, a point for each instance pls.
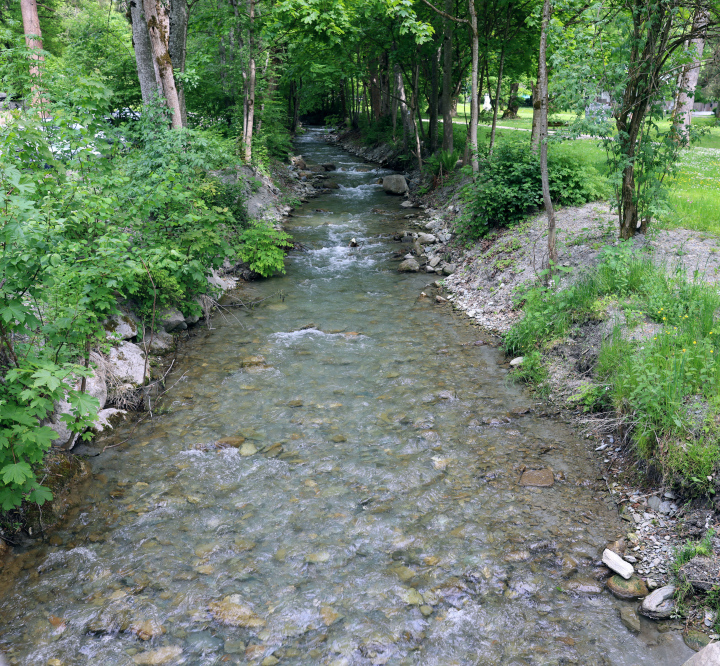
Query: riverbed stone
x: 696, y: 640
x: 409, y: 266
x: 254, y: 360
x: 395, y: 184
x: 329, y: 615
x: 708, y: 656
x: 234, y: 647
x: 627, y: 589
x: 234, y: 442
x: 630, y: 619
x: 426, y: 239
x: 233, y: 611
x: 659, y: 605
x: 583, y: 586
x: 448, y: 269
x: 156, y: 657
x: 248, y: 449
x: 617, y: 564
x: 539, y: 478
x: 147, y: 629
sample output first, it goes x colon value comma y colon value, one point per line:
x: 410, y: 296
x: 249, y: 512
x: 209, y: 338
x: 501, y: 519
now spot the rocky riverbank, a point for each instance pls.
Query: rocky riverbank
x: 130, y: 368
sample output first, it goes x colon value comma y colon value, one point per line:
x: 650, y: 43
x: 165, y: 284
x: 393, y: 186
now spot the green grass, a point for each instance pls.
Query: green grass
x: 668, y: 385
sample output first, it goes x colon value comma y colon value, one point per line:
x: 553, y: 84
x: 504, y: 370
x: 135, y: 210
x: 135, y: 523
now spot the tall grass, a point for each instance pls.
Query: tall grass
x: 667, y: 385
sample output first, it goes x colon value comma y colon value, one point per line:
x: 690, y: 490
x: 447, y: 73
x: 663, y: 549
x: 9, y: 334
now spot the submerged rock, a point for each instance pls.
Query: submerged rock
x: 630, y: 619
x: 539, y: 478
x: 233, y: 611
x: 160, y: 656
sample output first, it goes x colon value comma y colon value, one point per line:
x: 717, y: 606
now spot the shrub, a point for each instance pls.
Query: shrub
x: 508, y: 186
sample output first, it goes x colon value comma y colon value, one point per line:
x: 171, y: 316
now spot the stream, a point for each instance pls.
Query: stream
x: 366, y: 509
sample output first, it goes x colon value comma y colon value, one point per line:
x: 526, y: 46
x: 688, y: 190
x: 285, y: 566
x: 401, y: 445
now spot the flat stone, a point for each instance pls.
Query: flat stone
x: 248, y: 449
x: 708, y: 656
x: 234, y: 647
x: 235, y: 442
x: 627, y: 590
x: 617, y: 564
x: 295, y: 403
x: 517, y: 361
x: 630, y: 619
x: 233, y: 611
x: 253, y: 360
x: 448, y: 269
x: 659, y: 604
x: 270, y: 661
x: 338, y: 438
x: 426, y: 239
x: 160, y: 656
x: 539, y: 478
x: 696, y: 640
x: 589, y: 587
x: 654, y: 502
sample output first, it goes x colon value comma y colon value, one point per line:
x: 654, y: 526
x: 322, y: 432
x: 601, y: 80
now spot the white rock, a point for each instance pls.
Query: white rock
x: 106, y: 418
x: 659, y: 604
x: 126, y: 363
x: 120, y: 326
x: 171, y: 320
x: 617, y: 564
x: 517, y: 361
x: 426, y: 239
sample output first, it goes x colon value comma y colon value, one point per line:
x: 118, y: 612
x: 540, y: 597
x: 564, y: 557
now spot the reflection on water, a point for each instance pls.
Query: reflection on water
x: 364, y: 508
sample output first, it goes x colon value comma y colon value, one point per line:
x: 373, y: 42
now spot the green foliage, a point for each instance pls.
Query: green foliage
x: 661, y: 383
x: 691, y: 549
x: 263, y: 249
x: 533, y: 371
x: 444, y: 162
x: 508, y: 187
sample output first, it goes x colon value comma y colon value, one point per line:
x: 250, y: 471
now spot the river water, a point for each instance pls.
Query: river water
x: 380, y: 520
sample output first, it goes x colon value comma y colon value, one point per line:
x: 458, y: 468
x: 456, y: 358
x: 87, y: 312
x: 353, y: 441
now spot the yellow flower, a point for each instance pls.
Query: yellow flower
x: 694, y: 342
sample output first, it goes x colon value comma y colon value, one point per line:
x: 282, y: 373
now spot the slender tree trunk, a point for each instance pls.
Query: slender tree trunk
x: 434, y: 92
x: 474, y: 88
x: 400, y: 87
x: 448, y: 28
x: 158, y: 25
x: 415, y: 110
x: 682, y: 114
x: 498, y: 88
x: 247, y: 139
x: 537, y: 108
x: 513, y: 102
x: 148, y: 73
x: 543, y: 91
x: 177, y: 47
x: 375, y: 90
x: 394, y: 107
x: 33, y: 40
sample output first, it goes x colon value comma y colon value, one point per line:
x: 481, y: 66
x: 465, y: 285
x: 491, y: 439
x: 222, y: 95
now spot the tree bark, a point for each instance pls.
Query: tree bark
x: 682, y: 114
x: 544, y: 175
x: 250, y: 115
x: 177, y: 47
x: 513, y: 102
x: 498, y: 88
x: 537, y: 108
x: 474, y: 88
x: 148, y: 73
x: 447, y: 143
x: 158, y: 25
x: 434, y: 92
x: 400, y: 87
x: 33, y: 40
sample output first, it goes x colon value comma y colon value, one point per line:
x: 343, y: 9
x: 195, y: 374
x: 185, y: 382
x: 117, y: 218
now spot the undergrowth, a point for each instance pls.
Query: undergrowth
x: 666, y: 386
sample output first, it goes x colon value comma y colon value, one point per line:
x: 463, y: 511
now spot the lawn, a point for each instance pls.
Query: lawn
x: 694, y: 195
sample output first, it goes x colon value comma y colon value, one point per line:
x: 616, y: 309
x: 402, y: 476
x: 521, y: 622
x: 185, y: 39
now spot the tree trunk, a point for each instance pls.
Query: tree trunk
x: 148, y: 73
x: 158, y: 31
x: 33, y: 40
x: 682, y: 115
x: 544, y: 176
x: 177, y: 47
x: 498, y: 88
x: 434, y: 85
x: 250, y: 117
x: 474, y: 88
x: 415, y: 109
x: 513, y: 102
x: 375, y: 90
x: 400, y: 87
x: 537, y: 108
x: 447, y: 143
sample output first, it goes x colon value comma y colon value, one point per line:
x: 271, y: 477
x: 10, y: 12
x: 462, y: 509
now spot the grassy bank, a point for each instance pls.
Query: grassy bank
x: 657, y: 368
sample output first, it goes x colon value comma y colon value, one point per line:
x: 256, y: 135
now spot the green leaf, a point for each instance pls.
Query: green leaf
x: 16, y: 473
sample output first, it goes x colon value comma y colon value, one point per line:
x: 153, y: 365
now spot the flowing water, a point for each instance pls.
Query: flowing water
x: 380, y: 520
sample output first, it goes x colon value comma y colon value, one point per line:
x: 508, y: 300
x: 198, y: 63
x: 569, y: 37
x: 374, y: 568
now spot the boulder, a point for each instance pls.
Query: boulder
x: 160, y: 343
x: 126, y: 363
x: 395, y: 184
x: 65, y: 438
x: 659, y: 605
x: 120, y: 327
x: 617, y: 564
x: 108, y: 418
x: 627, y: 590
x: 426, y: 239
x: 171, y: 320
x: 448, y: 269
x: 409, y: 266
x: 708, y: 656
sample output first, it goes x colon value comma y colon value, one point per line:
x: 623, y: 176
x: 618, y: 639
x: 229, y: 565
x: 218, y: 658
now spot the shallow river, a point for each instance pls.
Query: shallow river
x: 380, y: 520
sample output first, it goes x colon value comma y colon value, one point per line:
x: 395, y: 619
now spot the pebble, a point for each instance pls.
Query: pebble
x: 233, y: 611
x: 248, y: 449
x: 160, y: 656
